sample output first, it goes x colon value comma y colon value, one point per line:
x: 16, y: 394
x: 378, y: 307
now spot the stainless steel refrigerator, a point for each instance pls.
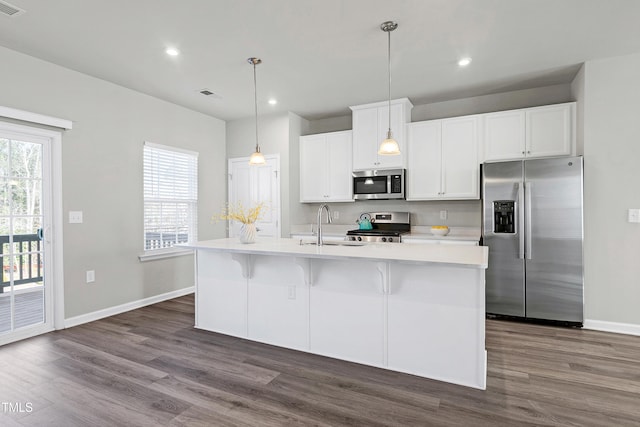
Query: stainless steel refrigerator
x: 532, y: 224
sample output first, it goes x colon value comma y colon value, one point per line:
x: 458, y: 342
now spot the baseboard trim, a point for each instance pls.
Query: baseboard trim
x: 112, y: 311
x: 618, y: 328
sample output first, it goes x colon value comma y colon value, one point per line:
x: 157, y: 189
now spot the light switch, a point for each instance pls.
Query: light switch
x: 634, y: 215
x: 75, y: 217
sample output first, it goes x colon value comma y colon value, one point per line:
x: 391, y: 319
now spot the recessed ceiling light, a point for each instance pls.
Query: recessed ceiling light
x: 172, y: 51
x: 464, y: 62
x: 273, y: 101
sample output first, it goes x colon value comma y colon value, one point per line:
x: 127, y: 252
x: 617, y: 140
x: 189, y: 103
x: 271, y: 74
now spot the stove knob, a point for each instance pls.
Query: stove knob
x: 352, y: 238
x: 359, y: 238
x: 391, y: 239
x: 384, y: 239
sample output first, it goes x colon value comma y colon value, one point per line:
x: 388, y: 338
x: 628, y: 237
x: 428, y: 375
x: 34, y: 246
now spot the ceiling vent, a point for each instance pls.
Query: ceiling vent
x: 207, y: 92
x: 9, y: 9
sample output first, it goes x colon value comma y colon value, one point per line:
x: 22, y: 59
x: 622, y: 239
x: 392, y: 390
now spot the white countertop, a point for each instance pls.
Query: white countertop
x: 461, y: 256
x: 455, y: 233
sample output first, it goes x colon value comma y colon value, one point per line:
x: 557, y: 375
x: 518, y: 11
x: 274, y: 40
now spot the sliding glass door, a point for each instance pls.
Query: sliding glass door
x: 25, y: 301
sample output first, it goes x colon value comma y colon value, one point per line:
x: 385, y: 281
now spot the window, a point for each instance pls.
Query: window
x: 170, y: 196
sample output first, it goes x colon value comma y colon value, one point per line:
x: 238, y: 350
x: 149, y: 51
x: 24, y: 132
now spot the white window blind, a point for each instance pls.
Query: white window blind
x: 170, y: 196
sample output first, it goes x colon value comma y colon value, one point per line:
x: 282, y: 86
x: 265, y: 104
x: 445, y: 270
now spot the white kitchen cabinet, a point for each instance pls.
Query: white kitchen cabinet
x: 325, y: 167
x: 346, y: 311
x: 416, y: 298
x: 549, y: 130
x: 443, y: 159
x: 370, y: 126
x: 545, y: 131
x: 277, y: 303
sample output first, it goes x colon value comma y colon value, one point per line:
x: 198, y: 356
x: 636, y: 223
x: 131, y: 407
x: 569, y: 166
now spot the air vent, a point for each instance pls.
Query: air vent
x: 207, y: 92
x: 9, y: 9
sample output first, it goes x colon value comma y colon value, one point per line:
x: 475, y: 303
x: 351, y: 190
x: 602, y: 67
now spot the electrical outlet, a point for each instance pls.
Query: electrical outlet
x: 443, y: 214
x: 336, y: 215
x: 634, y: 215
x: 291, y: 293
x: 91, y: 276
x: 75, y: 217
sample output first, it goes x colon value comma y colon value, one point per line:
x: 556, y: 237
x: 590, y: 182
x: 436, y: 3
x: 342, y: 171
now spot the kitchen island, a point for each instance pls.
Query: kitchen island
x: 407, y: 308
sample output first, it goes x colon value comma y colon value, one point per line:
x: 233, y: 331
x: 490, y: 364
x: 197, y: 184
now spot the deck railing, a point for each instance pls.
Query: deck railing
x: 26, y: 262
x: 157, y: 240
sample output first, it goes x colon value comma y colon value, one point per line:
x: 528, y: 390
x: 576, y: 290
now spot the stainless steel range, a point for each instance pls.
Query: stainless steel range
x: 381, y: 227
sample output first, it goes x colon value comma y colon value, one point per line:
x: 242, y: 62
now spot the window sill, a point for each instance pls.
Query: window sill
x: 164, y: 253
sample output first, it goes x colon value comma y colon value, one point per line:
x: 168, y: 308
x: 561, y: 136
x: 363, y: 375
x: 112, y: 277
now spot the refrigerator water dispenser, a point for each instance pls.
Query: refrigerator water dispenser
x: 503, y: 214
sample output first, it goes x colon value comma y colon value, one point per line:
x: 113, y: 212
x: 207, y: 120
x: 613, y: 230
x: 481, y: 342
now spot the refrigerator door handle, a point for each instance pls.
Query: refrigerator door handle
x: 520, y: 220
x: 528, y: 187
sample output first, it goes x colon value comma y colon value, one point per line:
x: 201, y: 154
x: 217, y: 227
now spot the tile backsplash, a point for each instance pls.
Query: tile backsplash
x: 460, y: 213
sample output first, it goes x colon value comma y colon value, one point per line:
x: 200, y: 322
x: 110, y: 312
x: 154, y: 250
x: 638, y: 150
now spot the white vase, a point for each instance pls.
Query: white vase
x: 248, y: 232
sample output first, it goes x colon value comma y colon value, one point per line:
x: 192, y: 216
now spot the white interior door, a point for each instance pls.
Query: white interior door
x: 26, y: 297
x: 252, y: 184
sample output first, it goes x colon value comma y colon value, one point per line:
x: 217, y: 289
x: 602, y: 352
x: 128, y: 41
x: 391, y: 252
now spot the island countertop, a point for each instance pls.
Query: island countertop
x: 461, y: 256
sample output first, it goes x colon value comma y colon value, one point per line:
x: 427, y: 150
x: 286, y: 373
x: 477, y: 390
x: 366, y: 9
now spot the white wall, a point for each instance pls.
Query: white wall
x: 612, y: 176
x: 555, y: 94
x: 577, y: 92
x: 496, y: 102
x: 273, y: 134
x: 297, y: 126
x: 102, y: 176
x: 331, y: 124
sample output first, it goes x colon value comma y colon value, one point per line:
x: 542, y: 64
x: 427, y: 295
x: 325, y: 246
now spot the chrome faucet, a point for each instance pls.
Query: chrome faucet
x: 320, y: 221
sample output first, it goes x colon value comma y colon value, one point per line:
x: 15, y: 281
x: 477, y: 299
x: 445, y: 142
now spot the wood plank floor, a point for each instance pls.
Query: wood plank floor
x: 150, y: 367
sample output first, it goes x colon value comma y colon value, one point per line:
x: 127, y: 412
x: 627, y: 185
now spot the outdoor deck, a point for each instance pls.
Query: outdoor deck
x: 29, y: 308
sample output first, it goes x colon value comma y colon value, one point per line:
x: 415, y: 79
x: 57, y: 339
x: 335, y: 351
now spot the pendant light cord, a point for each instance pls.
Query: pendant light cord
x: 389, y: 69
x: 255, y: 98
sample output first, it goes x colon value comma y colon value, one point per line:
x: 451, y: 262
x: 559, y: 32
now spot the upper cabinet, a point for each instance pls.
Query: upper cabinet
x: 530, y: 132
x: 325, y: 167
x: 443, y: 159
x: 370, y: 126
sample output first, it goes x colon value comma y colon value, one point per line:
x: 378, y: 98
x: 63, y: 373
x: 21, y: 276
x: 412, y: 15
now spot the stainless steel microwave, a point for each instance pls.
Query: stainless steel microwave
x: 378, y: 184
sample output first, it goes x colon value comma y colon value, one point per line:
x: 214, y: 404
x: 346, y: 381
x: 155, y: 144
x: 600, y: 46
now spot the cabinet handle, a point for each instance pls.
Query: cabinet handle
x: 523, y: 152
x: 529, y: 152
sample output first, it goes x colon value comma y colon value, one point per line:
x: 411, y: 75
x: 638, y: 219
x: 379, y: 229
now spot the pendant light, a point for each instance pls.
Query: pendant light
x: 256, y: 158
x: 389, y: 147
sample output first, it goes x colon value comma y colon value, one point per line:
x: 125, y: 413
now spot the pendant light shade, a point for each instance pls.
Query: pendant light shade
x: 256, y: 158
x: 389, y: 147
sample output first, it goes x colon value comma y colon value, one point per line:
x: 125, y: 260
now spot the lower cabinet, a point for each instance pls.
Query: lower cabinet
x: 453, y: 352
x: 347, y: 311
x: 277, y: 303
x: 223, y: 307
x: 422, y: 319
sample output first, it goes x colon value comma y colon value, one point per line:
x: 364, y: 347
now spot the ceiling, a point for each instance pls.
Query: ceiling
x: 320, y: 56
